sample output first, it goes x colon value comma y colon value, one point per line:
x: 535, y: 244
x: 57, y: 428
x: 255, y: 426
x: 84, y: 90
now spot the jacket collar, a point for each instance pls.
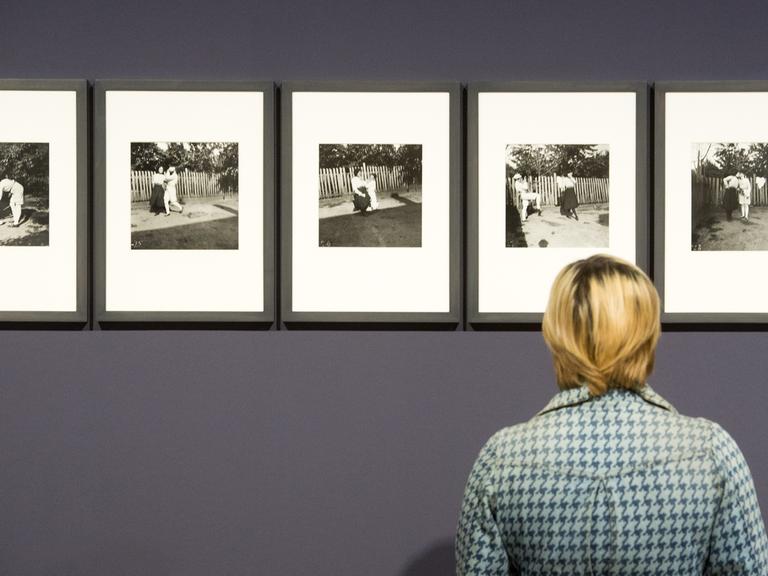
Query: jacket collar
x: 581, y: 395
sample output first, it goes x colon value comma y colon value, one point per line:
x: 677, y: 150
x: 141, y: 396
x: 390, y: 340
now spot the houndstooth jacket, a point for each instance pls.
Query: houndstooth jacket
x: 616, y: 484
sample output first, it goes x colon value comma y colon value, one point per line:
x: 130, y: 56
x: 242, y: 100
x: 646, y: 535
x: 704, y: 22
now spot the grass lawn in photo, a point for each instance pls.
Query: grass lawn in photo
x: 716, y: 232
x: 397, y: 222
x: 205, y: 224
x: 553, y: 230
x: 33, y: 224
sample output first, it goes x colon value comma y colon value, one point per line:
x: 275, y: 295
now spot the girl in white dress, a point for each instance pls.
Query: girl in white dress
x: 15, y: 197
x: 170, y: 192
x: 745, y: 194
x: 370, y: 185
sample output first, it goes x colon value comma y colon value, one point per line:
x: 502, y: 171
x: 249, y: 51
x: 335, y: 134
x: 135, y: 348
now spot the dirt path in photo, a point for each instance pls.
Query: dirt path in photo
x: 204, y: 224
x: 196, y: 210
x: 33, y: 225
x: 718, y: 233
x: 553, y: 230
x: 397, y: 223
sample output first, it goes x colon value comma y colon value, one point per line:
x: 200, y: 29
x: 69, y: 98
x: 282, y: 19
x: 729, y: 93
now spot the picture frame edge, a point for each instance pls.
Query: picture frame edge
x: 289, y: 317
x: 192, y: 319
x: 690, y: 320
x: 79, y: 317
x: 643, y: 141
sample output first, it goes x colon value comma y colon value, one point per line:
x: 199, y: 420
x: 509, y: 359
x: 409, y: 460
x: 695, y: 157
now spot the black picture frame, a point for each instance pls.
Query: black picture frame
x: 689, y: 320
x: 170, y: 319
x: 380, y: 320
x: 504, y: 320
x: 78, y: 318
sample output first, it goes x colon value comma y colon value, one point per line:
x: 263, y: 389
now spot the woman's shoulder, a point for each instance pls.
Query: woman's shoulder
x: 507, y: 437
x: 710, y: 437
x: 722, y: 445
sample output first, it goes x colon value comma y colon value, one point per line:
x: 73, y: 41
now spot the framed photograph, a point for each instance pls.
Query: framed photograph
x: 557, y: 172
x: 711, y: 227
x: 44, y: 201
x: 184, y: 221
x: 371, y: 203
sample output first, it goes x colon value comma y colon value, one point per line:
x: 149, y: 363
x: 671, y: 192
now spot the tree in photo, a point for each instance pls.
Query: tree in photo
x: 219, y: 158
x: 533, y: 159
x: 345, y: 155
x: 146, y: 156
x: 759, y: 159
x: 537, y: 160
x: 732, y: 158
x: 29, y: 164
x: 409, y: 157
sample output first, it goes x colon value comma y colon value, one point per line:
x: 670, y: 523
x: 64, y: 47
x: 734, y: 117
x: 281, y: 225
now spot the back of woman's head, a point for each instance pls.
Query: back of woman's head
x: 602, y: 324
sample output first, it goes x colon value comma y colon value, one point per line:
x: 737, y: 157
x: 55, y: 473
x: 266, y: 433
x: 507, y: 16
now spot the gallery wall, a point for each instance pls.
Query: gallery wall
x: 321, y: 452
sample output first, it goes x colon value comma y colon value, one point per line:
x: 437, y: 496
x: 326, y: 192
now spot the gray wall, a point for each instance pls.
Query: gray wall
x: 198, y: 453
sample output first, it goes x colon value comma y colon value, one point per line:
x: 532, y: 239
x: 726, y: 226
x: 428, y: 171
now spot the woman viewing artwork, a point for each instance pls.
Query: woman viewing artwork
x: 608, y: 478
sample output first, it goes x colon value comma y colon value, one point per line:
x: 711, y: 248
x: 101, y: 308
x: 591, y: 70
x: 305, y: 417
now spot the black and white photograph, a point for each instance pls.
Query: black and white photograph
x: 44, y: 203
x: 557, y: 195
x: 370, y: 203
x: 24, y: 193
x: 711, y: 205
x: 729, y: 200
x: 184, y: 201
x: 370, y: 195
x: 184, y: 195
x: 561, y: 167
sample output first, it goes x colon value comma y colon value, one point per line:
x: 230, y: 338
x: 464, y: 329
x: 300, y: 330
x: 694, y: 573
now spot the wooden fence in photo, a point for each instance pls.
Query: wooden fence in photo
x: 190, y: 185
x: 335, y: 182
x: 588, y: 190
x: 708, y: 191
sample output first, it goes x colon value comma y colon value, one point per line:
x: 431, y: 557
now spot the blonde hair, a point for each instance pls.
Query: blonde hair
x: 602, y: 325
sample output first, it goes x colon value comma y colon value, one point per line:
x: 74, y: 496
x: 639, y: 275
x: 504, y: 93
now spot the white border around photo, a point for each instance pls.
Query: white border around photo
x: 372, y: 282
x: 516, y: 281
x: 697, y: 283
x: 184, y: 280
x: 45, y: 278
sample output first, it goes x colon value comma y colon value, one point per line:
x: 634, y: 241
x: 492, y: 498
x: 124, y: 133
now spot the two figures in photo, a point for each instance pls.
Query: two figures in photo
x: 164, y: 195
x: 532, y: 199
x: 364, y: 198
x: 738, y: 194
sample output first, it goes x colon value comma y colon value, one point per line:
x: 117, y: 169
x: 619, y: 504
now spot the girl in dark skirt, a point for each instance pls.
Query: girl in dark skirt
x: 568, y: 200
x: 731, y: 195
x: 156, y: 200
x: 361, y: 203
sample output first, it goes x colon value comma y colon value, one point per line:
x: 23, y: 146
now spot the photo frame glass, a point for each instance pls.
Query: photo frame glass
x: 370, y: 202
x: 39, y: 199
x: 715, y: 201
x: 556, y: 182
x: 184, y: 201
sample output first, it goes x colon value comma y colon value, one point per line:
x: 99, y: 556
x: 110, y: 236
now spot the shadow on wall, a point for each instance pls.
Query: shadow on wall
x: 438, y: 560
